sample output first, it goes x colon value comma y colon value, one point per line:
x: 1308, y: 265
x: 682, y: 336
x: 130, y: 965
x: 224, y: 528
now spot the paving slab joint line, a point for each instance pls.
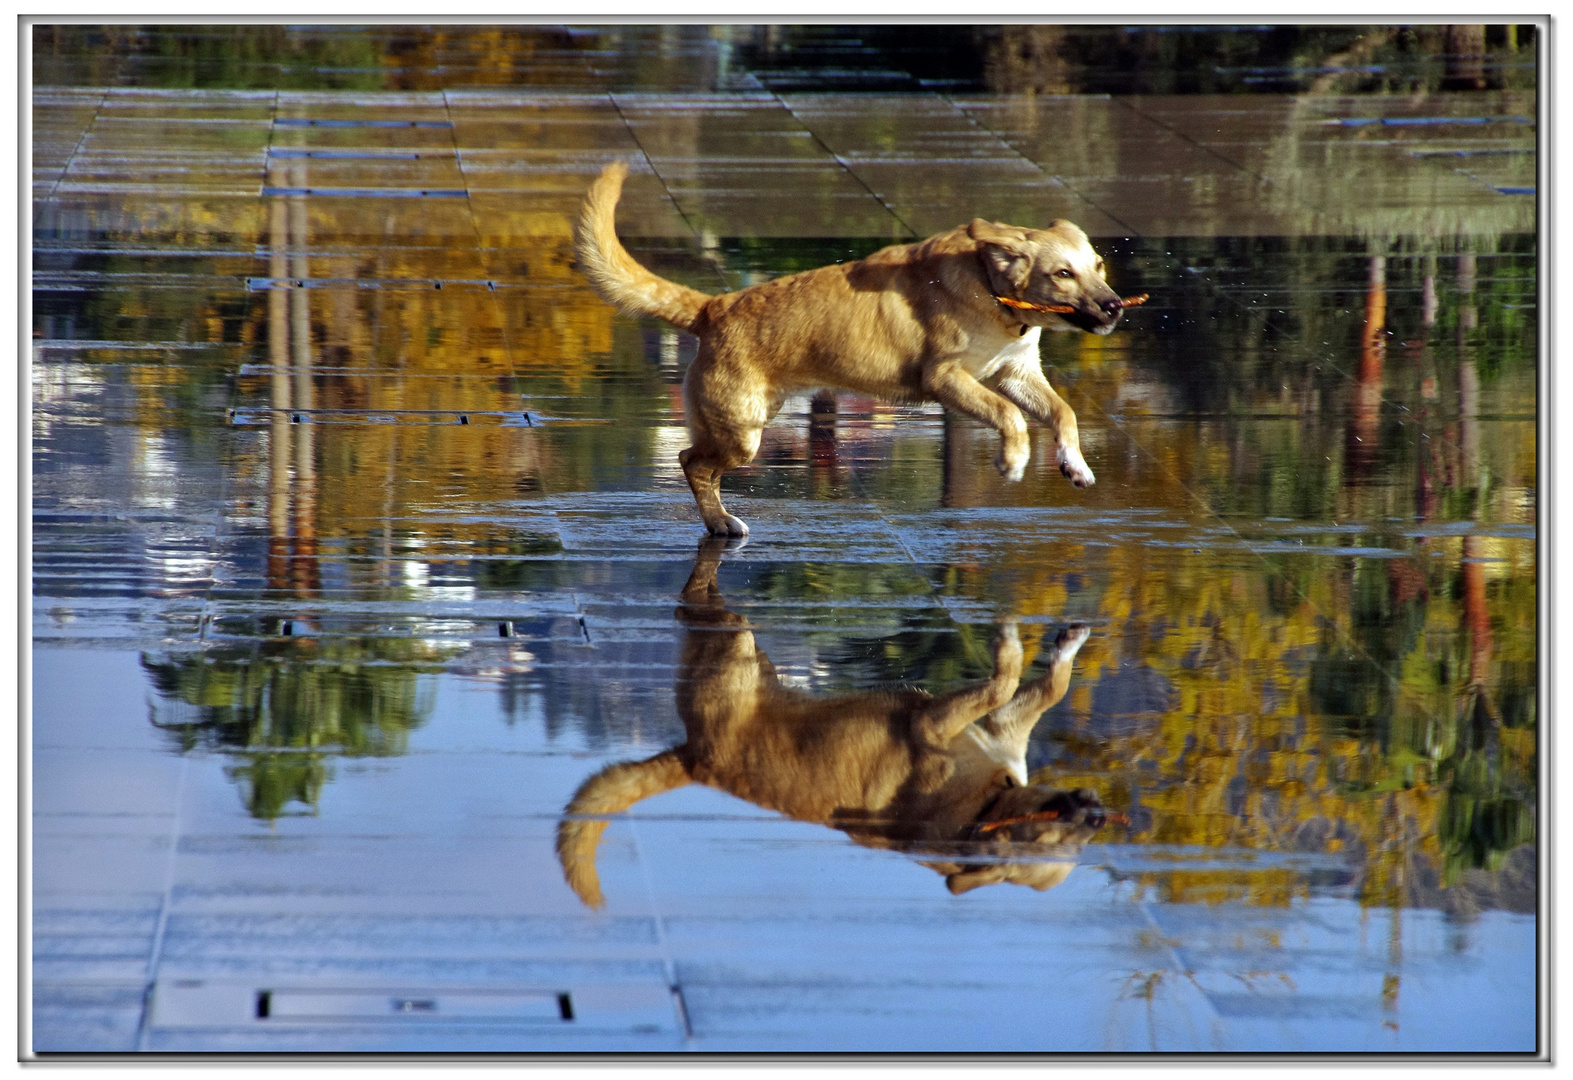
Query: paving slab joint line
x: 1177, y: 133
x: 75, y: 150
x: 155, y: 953
x: 714, y: 261
x: 679, y: 1002
x: 1007, y: 144
x: 453, y: 137
x: 913, y: 233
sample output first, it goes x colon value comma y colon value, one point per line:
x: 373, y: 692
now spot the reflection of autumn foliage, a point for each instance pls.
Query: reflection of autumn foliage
x: 1263, y: 753
x: 404, y: 362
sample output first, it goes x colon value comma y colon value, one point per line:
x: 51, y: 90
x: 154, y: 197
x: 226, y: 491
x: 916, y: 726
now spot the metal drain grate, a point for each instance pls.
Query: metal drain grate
x: 189, y: 1004
x: 251, y: 417
x: 300, y: 121
x: 335, y: 1005
x: 263, y: 284
x: 371, y: 193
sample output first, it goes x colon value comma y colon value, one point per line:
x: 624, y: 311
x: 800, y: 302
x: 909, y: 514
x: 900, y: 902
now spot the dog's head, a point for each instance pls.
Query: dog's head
x: 1055, y: 822
x: 1042, y: 814
x: 1056, y: 266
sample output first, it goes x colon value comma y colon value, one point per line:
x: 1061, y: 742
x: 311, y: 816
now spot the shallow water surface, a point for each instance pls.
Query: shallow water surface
x: 362, y: 560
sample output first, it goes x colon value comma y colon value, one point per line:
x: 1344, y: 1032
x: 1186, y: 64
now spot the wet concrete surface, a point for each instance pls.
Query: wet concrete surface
x: 361, y: 556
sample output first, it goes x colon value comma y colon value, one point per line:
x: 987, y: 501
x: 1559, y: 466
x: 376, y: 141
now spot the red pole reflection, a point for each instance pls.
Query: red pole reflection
x: 1364, y: 430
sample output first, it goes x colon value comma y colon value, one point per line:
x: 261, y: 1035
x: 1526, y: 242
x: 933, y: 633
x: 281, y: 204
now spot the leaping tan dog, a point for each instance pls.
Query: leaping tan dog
x: 954, y: 319
x: 941, y: 778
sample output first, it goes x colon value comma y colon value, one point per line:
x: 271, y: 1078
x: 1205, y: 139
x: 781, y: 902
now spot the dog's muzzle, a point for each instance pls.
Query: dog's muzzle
x: 1079, y: 807
x: 1101, y: 319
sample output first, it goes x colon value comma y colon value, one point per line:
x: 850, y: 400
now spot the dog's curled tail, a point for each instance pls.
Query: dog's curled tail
x: 610, y: 791
x: 613, y: 271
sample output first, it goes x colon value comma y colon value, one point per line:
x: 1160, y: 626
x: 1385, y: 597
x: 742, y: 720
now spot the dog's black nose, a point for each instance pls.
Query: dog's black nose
x: 1113, y: 307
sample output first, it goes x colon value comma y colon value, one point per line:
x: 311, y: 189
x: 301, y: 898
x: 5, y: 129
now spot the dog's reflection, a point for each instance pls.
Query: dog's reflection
x: 943, y: 778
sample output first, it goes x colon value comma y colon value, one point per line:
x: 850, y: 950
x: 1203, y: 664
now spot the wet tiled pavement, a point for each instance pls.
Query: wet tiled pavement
x: 359, y: 548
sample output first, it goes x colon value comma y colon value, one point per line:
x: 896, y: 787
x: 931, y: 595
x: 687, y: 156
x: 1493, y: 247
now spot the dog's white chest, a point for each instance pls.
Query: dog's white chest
x: 1009, y: 754
x: 1024, y: 348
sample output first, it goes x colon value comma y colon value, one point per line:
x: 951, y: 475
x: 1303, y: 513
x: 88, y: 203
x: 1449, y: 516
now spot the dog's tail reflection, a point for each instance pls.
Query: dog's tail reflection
x: 608, y: 792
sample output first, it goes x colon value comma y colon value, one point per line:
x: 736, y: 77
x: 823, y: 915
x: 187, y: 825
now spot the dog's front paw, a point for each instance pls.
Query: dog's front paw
x: 1012, y: 466
x: 1007, y: 647
x: 1071, y: 639
x: 1074, y: 466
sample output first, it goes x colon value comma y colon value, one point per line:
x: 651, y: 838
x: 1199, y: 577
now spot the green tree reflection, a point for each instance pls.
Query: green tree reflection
x: 284, y: 711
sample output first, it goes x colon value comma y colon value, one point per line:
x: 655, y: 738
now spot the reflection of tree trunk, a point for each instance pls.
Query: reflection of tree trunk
x: 1425, y: 490
x: 303, y: 569
x: 1364, y: 432
x: 300, y: 324
x: 822, y: 459
x: 1468, y: 425
x: 1464, y: 59
x: 1425, y: 450
x: 1476, y: 617
x: 958, y: 488
x: 278, y: 390
x: 1468, y: 315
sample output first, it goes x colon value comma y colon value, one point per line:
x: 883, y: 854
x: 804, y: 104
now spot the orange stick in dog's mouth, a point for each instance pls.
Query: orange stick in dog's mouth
x: 1063, y: 309
x: 1042, y: 815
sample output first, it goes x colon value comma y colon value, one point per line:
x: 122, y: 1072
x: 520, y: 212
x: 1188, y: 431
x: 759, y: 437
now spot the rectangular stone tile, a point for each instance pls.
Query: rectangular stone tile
x: 358, y: 873
x: 83, y: 780
x: 86, y: 1018
x: 722, y: 158
x: 85, y: 955
x: 521, y: 219
x: 1068, y: 1011
x: 403, y: 170
x: 164, y: 132
x: 85, y: 700
x: 230, y: 221
x: 107, y: 866
x: 433, y: 1039
x: 935, y: 167
x: 711, y: 857
x: 386, y: 106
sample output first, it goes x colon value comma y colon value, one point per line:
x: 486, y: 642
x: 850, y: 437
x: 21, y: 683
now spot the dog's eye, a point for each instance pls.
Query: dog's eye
x: 1064, y: 273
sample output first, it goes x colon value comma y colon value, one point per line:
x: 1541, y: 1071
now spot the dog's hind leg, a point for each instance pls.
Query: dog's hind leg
x: 727, y: 408
x: 955, y: 388
x: 1025, y: 385
x: 711, y: 455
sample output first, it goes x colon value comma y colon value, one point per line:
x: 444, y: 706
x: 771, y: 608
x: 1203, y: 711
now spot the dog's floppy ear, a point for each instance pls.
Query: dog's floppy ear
x: 993, y: 232
x: 967, y: 880
x: 1005, y: 254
